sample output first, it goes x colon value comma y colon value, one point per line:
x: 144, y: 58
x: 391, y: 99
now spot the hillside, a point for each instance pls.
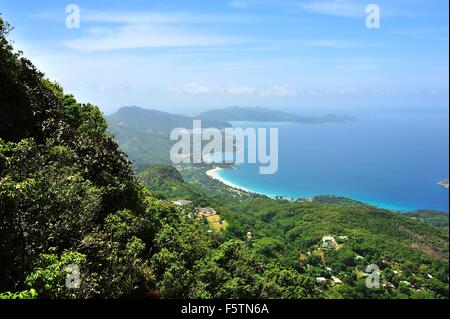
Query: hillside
x: 144, y: 134
x: 76, y: 222
x: 71, y: 205
x: 261, y: 114
x: 412, y: 254
x: 155, y: 121
x: 67, y: 195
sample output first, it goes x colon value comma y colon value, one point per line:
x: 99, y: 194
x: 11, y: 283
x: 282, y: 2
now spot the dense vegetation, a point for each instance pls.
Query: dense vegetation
x: 144, y: 134
x: 67, y: 195
x: 438, y: 219
x: 411, y: 254
x: 70, y: 201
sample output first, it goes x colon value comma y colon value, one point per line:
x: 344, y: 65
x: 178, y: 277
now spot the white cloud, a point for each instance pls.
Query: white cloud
x: 155, y: 17
x: 337, y: 44
x: 234, y: 90
x: 116, y: 30
x: 137, y: 18
x: 342, y: 8
x: 140, y: 17
x: 143, y: 36
x: 191, y: 89
x: 278, y: 90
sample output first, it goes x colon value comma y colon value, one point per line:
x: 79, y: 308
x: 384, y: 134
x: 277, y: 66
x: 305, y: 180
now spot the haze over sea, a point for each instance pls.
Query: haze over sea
x: 393, y: 160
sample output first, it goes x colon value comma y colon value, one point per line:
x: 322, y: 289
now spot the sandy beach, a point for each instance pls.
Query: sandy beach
x: 214, y: 174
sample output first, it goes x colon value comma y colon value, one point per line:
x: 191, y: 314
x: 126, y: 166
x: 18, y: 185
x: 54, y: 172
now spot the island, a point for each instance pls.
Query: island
x: 444, y: 183
x: 262, y: 114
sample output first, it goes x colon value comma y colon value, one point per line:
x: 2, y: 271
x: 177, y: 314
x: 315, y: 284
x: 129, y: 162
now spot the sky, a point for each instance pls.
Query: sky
x: 186, y: 56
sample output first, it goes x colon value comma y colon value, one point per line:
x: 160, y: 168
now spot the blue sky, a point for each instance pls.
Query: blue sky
x: 308, y: 56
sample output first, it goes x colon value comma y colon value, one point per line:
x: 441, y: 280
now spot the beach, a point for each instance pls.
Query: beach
x: 214, y: 174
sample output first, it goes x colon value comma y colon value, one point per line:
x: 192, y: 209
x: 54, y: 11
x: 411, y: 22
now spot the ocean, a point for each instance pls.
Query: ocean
x: 392, y: 160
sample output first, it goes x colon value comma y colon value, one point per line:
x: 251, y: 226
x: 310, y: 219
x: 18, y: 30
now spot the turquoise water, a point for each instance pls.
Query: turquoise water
x: 393, y: 161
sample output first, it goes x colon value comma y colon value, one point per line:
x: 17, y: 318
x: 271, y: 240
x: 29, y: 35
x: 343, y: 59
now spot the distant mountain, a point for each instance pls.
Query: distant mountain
x: 262, y: 114
x: 144, y: 134
x: 156, y: 121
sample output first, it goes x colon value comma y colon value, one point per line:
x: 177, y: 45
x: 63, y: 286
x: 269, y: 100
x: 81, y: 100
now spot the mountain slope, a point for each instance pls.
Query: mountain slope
x: 412, y: 255
x: 266, y: 115
x: 156, y: 121
x: 144, y: 134
x: 71, y: 205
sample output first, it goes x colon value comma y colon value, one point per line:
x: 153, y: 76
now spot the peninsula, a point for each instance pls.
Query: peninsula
x: 444, y: 183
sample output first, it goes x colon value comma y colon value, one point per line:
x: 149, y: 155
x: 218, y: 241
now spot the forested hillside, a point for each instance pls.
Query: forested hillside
x: 69, y: 197
x: 411, y: 254
x: 145, y: 134
x: 70, y: 201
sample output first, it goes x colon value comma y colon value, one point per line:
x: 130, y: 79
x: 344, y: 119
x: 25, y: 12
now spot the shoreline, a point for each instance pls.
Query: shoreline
x: 214, y: 174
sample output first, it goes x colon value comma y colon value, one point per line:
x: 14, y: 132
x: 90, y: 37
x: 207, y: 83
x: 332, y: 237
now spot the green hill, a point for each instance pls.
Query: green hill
x: 290, y: 234
x: 75, y: 222
x: 261, y: 114
x: 144, y: 134
x: 70, y: 204
x: 156, y: 121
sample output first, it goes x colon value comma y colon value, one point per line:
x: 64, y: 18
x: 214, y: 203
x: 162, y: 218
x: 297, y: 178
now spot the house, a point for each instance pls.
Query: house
x: 321, y: 280
x: 205, y: 211
x: 389, y: 285
x: 336, y: 280
x: 182, y: 202
x: 329, y: 242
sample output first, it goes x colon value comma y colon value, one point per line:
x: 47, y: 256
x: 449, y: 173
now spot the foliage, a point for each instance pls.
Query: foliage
x: 287, y: 235
x: 67, y: 194
x: 145, y: 134
x: 438, y: 219
x: 69, y: 198
x: 26, y: 294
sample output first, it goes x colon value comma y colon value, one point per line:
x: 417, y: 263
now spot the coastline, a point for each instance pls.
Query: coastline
x: 214, y: 174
